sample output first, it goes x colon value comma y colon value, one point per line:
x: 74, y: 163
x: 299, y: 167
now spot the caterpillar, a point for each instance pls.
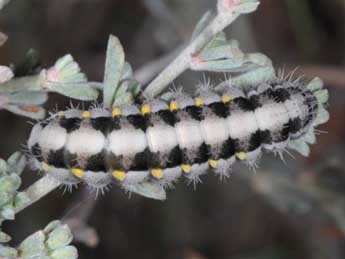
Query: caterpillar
x: 146, y: 147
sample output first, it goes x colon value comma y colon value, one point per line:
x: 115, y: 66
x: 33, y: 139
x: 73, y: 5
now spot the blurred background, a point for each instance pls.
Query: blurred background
x: 292, y: 210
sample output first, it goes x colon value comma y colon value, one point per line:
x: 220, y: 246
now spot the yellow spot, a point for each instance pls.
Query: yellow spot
x: 157, y: 173
x: 86, y: 115
x: 226, y: 98
x: 241, y: 155
x: 45, y: 166
x: 78, y: 172
x: 174, y: 106
x: 61, y: 114
x: 212, y: 163
x: 145, y: 109
x: 119, y: 175
x: 199, y: 102
x: 186, y: 168
x: 116, y: 112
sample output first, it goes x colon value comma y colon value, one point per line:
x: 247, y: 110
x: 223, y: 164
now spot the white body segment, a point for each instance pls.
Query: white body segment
x: 85, y: 141
x: 127, y: 141
x: 52, y: 137
x: 161, y: 138
x: 271, y: 116
x: 189, y: 134
x: 214, y: 130
x: 241, y: 124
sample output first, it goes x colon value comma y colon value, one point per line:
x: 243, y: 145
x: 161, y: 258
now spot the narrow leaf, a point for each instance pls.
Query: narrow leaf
x: 114, y: 63
x: 201, y: 25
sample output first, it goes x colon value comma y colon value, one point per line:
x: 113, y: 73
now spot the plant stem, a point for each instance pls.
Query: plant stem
x: 39, y: 189
x: 182, y: 62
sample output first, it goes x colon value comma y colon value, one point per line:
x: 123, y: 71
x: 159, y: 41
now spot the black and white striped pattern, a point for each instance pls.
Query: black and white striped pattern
x: 159, y: 140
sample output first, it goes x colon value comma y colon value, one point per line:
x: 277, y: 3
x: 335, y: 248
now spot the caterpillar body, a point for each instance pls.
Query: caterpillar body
x: 146, y: 147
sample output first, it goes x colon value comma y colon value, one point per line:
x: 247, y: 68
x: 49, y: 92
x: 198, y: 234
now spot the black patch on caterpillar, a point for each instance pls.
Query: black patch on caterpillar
x: 71, y: 160
x: 153, y: 159
x: 308, y: 119
x: 295, y: 125
x: 140, y: 161
x: 220, y: 109
x: 281, y: 94
x: 70, y: 124
x: 115, y: 162
x: 228, y: 149
x: 96, y: 163
x: 244, y: 104
x: 56, y: 158
x: 175, y: 157
x: 101, y: 123
x: 199, y: 155
x: 270, y: 93
x: 114, y: 124
x: 138, y: 121
x: 284, y: 134
x: 203, y: 154
x: 255, y: 141
x: 44, y: 123
x: 167, y: 116
x: 36, y: 151
x: 254, y: 101
x: 241, y: 146
x: 265, y: 137
x: 195, y: 112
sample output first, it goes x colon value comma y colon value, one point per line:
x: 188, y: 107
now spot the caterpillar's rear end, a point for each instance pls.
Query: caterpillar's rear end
x: 147, y: 147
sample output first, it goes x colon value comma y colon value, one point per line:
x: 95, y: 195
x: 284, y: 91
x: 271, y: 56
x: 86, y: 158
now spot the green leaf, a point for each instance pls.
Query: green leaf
x: 3, y: 166
x: 21, y: 199
x: 7, y: 213
x: 5, y: 197
x: 26, y: 98
x: 10, y: 183
x: 322, y: 96
x: 33, y: 246
x: 315, y: 84
x: 310, y: 137
x: 16, y: 163
x: 300, y: 146
x: 127, y: 72
x: 32, y: 83
x: 4, y: 238
x: 322, y: 116
x: 201, y: 25
x: 34, y: 112
x: 218, y: 40
x: 114, y: 64
x: 51, y: 226
x: 221, y: 52
x: 247, y: 7
x: 67, y: 252
x: 226, y: 65
x: 75, y: 90
x: 8, y: 252
x: 227, y: 7
x: 149, y: 190
x: 254, y: 76
x: 59, y: 237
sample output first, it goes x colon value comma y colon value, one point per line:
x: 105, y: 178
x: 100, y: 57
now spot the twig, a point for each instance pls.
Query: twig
x: 223, y: 19
x: 147, y: 72
x: 39, y: 189
x: 182, y: 62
